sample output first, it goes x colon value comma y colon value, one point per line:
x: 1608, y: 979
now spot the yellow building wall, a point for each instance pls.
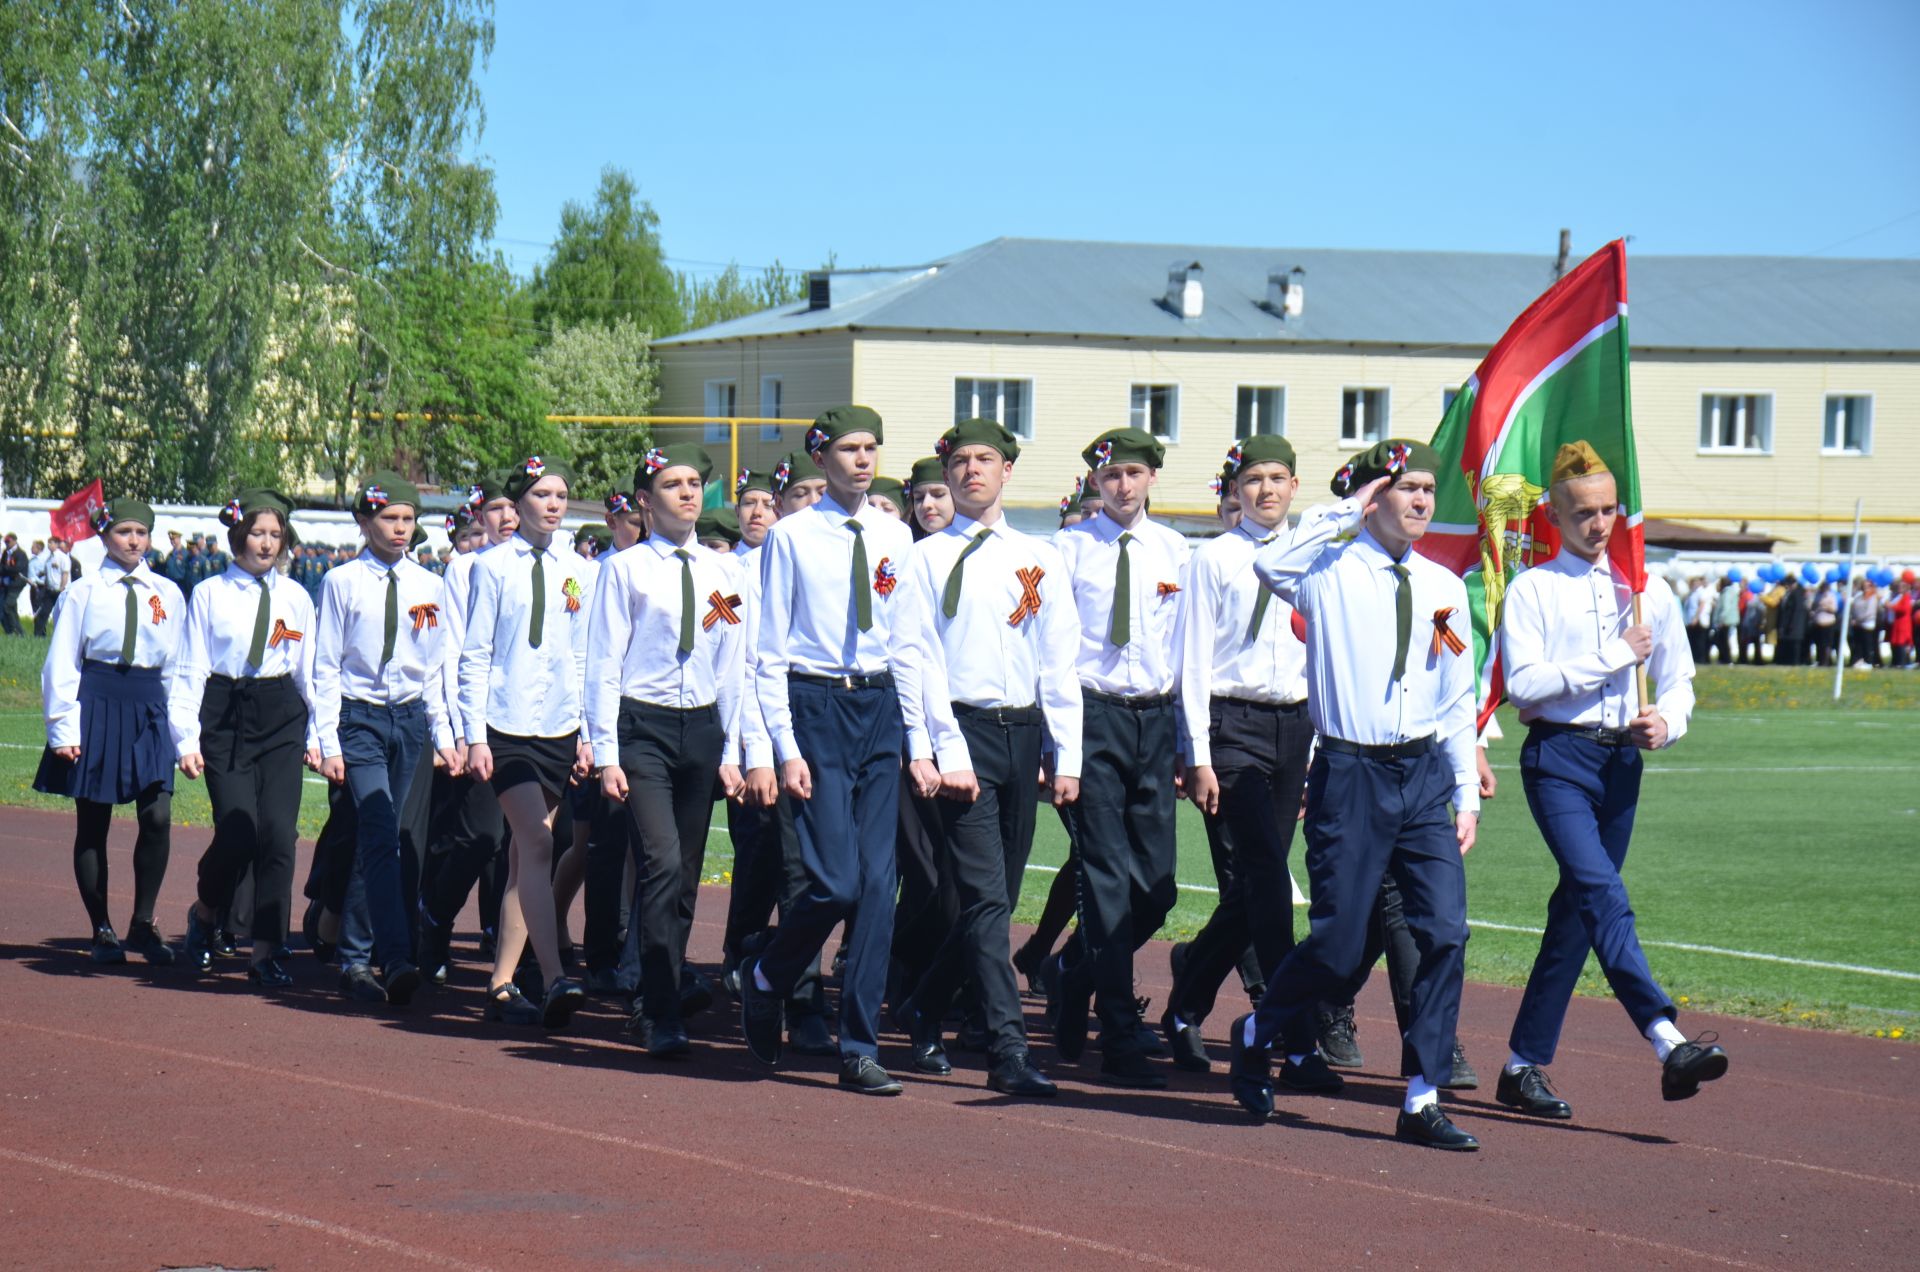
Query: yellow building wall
x: 815, y: 372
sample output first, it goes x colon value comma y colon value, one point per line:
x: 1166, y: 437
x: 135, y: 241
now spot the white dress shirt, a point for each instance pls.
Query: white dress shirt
x: 1565, y: 653
x: 633, y: 640
x: 90, y: 624
x: 352, y: 628
x: 1347, y: 594
x: 219, y: 636
x: 1156, y: 566
x: 458, y: 582
x: 1217, y: 658
x: 505, y: 683
x: 756, y: 744
x: 807, y: 622
x: 979, y: 656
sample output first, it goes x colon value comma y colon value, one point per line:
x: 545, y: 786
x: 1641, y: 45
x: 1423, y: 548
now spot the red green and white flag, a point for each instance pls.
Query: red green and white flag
x: 1558, y: 375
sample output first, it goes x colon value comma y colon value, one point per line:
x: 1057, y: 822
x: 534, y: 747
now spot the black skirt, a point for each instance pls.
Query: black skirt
x: 125, y: 745
x: 518, y: 760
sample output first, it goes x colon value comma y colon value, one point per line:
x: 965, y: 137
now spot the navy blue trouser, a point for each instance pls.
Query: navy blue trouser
x: 1366, y: 818
x: 1583, y: 796
x: 851, y: 740
x: 381, y: 745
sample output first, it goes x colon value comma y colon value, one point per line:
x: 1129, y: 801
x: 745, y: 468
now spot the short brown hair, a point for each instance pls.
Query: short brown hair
x: 237, y: 533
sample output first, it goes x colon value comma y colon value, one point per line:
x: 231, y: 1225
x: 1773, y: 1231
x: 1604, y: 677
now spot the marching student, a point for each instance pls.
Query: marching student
x: 1570, y: 644
x: 377, y: 701
x: 827, y: 695
x: 756, y: 507
x: 104, y: 685
x: 988, y: 634
x: 522, y: 679
x: 666, y: 671
x: 797, y: 482
x: 1126, y: 570
x: 1390, y: 688
x: 241, y: 710
x: 626, y: 522
x: 1243, y: 691
x: 929, y: 499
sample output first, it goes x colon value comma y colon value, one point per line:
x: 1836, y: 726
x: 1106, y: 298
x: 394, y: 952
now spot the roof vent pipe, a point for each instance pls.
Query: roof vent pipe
x: 1185, y: 295
x: 819, y: 290
x: 1566, y: 252
x: 1286, y: 292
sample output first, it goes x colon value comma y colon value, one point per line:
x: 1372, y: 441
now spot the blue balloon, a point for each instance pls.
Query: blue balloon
x: 1756, y: 587
x: 1882, y: 577
x: 1734, y: 575
x: 1771, y: 572
x: 1843, y: 570
x: 1810, y: 573
x: 1834, y: 575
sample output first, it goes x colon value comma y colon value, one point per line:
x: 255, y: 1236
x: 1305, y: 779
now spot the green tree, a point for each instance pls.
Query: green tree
x: 729, y: 295
x: 594, y: 370
x: 607, y: 264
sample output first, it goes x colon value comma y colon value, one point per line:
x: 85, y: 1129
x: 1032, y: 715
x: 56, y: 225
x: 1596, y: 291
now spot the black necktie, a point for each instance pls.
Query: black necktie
x: 257, y: 651
x: 1402, y: 620
x: 131, y: 637
x: 536, y: 626
x: 1262, y: 601
x: 686, y: 599
x: 950, y: 602
x: 862, y: 586
x: 391, y: 628
x: 1120, y: 630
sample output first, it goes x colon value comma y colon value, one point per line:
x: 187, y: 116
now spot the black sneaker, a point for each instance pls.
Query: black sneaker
x: 106, y: 950
x: 762, y: 1017
x: 1339, y: 1043
x: 403, y: 981
x: 1131, y: 1069
x: 358, y: 983
x: 864, y: 1075
x: 145, y: 940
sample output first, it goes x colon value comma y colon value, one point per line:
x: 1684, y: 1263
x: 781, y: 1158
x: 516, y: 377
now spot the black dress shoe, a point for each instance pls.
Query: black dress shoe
x: 358, y: 983
x: 145, y: 940
x: 436, y: 947
x: 1339, y: 1043
x: 224, y: 944
x: 1068, y: 1004
x: 762, y: 1017
x: 268, y: 974
x: 1188, y: 1051
x: 1433, y: 1129
x: 403, y: 982
x: 662, y: 1039
x: 809, y: 1034
x: 564, y: 997
x: 1252, y: 1073
x: 696, y: 993
x: 864, y: 1075
x: 924, y: 1036
x: 197, y: 949
x: 1530, y: 1092
x: 107, y: 950
x: 1026, y: 961
x: 1145, y: 1037
x: 1690, y: 1064
x: 1312, y: 1076
x: 1017, y: 1077
x: 505, y: 1003
x: 1130, y: 1069
x: 1461, y: 1077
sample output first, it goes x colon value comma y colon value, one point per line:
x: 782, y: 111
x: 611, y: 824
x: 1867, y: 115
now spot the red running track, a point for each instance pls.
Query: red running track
x: 153, y: 1120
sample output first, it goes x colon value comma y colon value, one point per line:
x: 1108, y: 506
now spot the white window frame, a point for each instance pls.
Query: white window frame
x: 1841, y: 544
x: 1386, y: 429
x: 1866, y: 433
x: 771, y: 432
x: 1003, y: 380
x: 1257, y: 390
x: 1172, y: 437
x: 1763, y: 399
x: 712, y: 411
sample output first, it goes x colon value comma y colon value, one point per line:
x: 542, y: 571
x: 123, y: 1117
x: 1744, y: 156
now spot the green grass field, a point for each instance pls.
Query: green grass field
x: 1782, y: 825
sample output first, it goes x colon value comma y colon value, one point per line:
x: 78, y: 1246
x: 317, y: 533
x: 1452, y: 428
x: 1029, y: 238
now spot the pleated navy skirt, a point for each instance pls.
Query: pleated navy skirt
x: 125, y: 745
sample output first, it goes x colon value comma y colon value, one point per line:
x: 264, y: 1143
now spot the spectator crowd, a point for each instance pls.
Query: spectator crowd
x: 1797, y: 619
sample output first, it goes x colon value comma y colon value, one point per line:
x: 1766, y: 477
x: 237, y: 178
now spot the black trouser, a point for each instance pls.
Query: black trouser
x: 252, y: 734
x: 1123, y: 828
x: 152, y: 846
x: 1260, y: 758
x: 1723, y: 643
x: 44, y: 599
x: 985, y: 845
x: 609, y: 842
x: 477, y: 834
x: 332, y: 863
x: 929, y: 906
x: 767, y: 876
x: 670, y: 757
x: 1863, y: 645
x: 10, y: 608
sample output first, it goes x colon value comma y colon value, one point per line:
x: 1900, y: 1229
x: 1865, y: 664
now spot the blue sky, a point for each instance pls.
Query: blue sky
x: 894, y: 133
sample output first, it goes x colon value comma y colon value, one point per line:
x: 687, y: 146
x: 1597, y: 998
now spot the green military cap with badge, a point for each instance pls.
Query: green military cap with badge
x: 679, y: 455
x: 385, y: 489
x: 890, y: 488
x: 1256, y: 450
x: 794, y: 466
x: 837, y: 422
x: 527, y: 474
x: 121, y: 510
x: 1390, y: 458
x: 977, y: 432
x: 1124, y: 446
x: 931, y: 471
x: 753, y: 479
x: 718, y: 524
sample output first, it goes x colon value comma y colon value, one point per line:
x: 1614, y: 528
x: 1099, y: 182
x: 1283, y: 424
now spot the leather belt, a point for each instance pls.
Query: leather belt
x: 1591, y: 732
x: 997, y: 715
x: 1144, y: 702
x: 877, y: 680
x: 1382, y: 751
x: 1255, y: 704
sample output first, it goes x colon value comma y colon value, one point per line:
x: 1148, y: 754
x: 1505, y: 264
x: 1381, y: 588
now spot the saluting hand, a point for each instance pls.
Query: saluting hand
x: 796, y: 779
x: 1367, y: 493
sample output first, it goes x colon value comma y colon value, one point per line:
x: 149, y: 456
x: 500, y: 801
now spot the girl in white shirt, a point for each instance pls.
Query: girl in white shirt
x: 104, y: 686
x: 241, y: 713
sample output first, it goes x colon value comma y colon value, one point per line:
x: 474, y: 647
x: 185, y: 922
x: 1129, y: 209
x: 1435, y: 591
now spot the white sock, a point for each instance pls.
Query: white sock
x: 760, y: 981
x: 1297, y: 1060
x: 1517, y: 1062
x: 1420, y: 1093
x: 1180, y: 1024
x: 1249, y: 1037
x: 1665, y: 1037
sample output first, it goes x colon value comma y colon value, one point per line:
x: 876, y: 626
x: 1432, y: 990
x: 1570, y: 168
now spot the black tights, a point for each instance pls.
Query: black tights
x: 154, y: 809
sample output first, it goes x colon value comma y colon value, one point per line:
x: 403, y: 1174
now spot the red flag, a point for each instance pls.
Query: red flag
x: 73, y: 519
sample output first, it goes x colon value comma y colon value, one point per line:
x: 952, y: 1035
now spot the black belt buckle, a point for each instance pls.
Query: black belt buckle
x: 844, y: 680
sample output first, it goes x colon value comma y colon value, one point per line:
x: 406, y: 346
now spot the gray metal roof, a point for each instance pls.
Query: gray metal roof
x: 1424, y: 299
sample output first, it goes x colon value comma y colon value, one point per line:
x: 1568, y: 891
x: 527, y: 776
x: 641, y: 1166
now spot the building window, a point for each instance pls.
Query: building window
x: 723, y: 403
x: 1363, y: 416
x: 1842, y: 544
x: 1736, y: 423
x: 1260, y: 412
x: 772, y: 395
x: 1849, y: 426
x: 1007, y: 402
x: 1156, y: 409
